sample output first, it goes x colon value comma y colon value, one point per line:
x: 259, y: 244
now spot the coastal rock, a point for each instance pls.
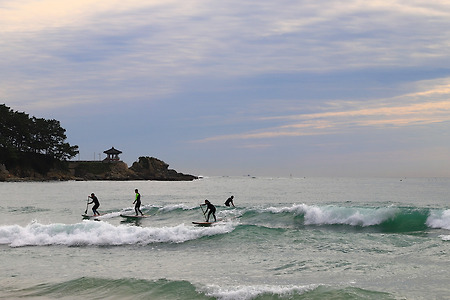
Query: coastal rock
x: 146, y: 168
x: 3, y: 172
x: 150, y: 168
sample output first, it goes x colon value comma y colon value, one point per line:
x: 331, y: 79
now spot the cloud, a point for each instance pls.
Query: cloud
x: 41, y: 15
x: 419, y: 108
x: 148, y: 50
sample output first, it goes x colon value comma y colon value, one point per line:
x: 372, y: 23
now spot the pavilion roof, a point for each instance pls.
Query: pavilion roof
x: 112, y: 151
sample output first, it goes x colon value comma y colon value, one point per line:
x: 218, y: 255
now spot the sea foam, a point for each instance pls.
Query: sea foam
x: 251, y: 292
x: 439, y: 219
x: 102, y: 233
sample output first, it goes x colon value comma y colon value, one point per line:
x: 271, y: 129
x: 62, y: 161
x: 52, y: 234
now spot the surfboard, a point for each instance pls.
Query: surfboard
x: 203, y: 223
x: 90, y: 216
x: 134, y: 216
x: 206, y: 223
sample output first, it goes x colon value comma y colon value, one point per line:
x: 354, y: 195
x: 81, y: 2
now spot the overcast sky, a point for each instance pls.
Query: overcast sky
x: 266, y: 88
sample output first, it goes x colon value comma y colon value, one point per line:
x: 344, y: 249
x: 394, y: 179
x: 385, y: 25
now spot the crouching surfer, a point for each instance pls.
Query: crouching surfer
x: 230, y: 201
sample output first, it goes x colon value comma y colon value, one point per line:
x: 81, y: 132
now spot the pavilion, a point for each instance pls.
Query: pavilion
x: 112, y: 155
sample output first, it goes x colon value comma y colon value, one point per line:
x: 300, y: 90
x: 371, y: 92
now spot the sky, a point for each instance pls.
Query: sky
x: 235, y: 88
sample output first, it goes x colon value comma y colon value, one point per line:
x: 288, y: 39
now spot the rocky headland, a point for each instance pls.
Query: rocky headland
x: 146, y: 168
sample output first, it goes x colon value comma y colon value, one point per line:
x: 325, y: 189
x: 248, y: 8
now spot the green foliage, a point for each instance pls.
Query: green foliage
x: 21, y: 134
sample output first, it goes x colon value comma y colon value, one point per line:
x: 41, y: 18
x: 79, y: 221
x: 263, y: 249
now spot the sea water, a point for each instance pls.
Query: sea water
x: 287, y: 238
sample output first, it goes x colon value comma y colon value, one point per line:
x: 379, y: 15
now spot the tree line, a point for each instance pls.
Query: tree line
x: 20, y: 133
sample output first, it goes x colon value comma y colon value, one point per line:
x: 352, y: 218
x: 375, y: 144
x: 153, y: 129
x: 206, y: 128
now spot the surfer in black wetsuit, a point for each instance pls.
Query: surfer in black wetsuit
x: 230, y: 201
x: 96, y: 204
x: 212, y: 210
x: 138, y: 203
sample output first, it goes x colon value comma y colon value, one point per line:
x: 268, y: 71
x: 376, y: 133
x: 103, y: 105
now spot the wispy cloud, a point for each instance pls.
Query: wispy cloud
x: 411, y: 112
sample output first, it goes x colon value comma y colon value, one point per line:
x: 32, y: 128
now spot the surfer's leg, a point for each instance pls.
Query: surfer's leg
x: 94, y: 209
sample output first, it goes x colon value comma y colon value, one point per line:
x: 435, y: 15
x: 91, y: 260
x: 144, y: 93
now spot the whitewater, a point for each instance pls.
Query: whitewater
x: 287, y: 238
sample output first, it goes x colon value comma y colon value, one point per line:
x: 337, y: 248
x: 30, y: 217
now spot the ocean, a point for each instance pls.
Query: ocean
x: 287, y: 238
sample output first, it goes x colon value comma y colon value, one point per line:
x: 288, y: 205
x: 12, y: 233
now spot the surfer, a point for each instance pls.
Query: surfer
x: 230, y: 200
x: 138, y: 203
x: 96, y: 204
x: 212, y: 210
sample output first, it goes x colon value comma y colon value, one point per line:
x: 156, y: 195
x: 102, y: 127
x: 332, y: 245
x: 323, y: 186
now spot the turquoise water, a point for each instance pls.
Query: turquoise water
x: 287, y: 238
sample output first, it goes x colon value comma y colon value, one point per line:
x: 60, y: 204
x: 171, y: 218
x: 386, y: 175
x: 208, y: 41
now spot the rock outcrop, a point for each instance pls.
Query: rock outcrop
x: 146, y: 168
x: 4, y: 174
x: 150, y: 168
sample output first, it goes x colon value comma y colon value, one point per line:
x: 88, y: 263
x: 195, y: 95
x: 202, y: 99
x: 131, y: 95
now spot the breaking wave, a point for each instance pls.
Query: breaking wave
x: 389, y: 219
x: 103, y: 233
x: 85, y: 287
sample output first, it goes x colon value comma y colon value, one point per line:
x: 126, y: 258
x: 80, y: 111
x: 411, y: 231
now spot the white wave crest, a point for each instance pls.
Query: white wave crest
x: 251, y: 292
x: 445, y: 237
x: 439, y: 219
x: 102, y: 233
x: 330, y: 215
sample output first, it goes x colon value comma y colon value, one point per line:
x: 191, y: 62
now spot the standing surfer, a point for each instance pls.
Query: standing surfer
x: 230, y: 201
x: 138, y: 203
x: 212, y: 210
x: 96, y: 204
